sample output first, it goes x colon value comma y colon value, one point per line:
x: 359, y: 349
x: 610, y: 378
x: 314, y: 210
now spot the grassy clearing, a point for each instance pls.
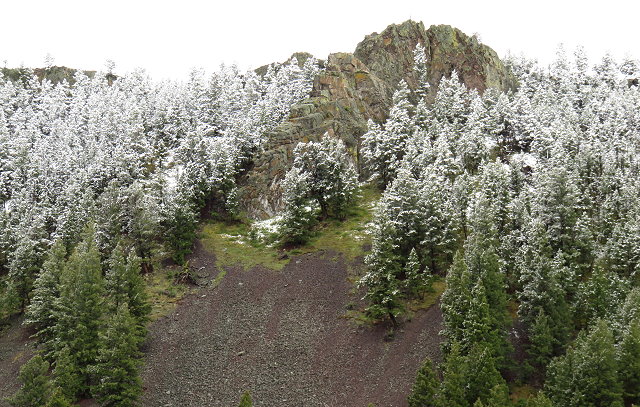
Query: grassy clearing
x: 232, y: 245
x: 163, y: 294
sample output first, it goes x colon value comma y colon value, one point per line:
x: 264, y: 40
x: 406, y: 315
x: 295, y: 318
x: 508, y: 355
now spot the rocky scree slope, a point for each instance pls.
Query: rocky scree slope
x: 356, y: 87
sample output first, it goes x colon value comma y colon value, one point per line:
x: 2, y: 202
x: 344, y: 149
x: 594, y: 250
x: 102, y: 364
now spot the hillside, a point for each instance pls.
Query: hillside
x: 416, y: 223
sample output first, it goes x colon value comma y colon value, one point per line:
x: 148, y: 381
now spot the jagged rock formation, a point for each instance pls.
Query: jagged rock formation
x: 356, y: 87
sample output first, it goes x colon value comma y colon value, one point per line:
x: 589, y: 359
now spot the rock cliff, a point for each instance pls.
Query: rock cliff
x: 356, y: 87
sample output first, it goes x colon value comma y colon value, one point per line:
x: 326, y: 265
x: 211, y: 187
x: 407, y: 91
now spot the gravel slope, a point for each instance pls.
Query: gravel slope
x: 15, y: 349
x: 282, y: 336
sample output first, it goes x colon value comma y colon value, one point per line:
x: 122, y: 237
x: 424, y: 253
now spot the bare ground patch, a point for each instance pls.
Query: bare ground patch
x: 283, y: 336
x: 15, y: 349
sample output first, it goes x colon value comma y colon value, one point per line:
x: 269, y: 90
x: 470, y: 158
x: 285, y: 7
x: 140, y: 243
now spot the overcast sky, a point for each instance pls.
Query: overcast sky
x: 168, y: 38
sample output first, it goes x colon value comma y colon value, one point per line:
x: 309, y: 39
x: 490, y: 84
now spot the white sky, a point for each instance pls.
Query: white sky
x: 169, y: 38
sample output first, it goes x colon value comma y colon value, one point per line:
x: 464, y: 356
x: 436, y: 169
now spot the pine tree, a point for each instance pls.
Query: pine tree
x: 299, y: 215
x: 498, y: 397
x: 58, y: 399
x: 26, y: 261
x: 125, y: 285
x: 384, y: 293
x: 425, y: 389
x: 588, y: 374
x: 542, y: 342
x: 454, y: 383
x: 455, y: 300
x: 476, y: 325
x: 180, y: 228
x: 115, y: 281
x: 539, y: 400
x: 597, y: 368
x: 560, y: 386
x: 42, y: 309
x: 383, y: 149
x: 138, y: 302
x: 116, y: 367
x: 67, y: 375
x: 629, y: 363
x: 80, y: 310
x: 332, y: 179
x: 600, y: 297
x: 417, y: 281
x: 481, y: 374
x: 36, y: 386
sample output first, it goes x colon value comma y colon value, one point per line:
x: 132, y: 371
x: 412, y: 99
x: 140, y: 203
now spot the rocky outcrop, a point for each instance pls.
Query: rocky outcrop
x: 54, y: 74
x: 356, y: 87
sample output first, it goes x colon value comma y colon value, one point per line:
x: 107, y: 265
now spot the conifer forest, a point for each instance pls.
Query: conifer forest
x: 496, y: 221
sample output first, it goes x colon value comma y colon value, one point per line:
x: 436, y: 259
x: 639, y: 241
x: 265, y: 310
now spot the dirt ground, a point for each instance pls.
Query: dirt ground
x: 15, y: 349
x: 283, y: 336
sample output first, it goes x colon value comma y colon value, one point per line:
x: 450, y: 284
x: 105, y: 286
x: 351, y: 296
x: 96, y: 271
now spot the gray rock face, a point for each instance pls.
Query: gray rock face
x: 356, y: 87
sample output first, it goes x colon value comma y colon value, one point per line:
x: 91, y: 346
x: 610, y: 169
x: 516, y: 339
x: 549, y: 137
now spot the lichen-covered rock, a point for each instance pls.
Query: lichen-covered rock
x: 356, y: 87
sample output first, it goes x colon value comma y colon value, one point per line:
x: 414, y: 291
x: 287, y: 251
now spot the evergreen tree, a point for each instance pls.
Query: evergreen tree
x: 42, y: 311
x: 384, y: 292
x: 629, y: 363
x: 125, y: 285
x: 417, y: 280
x: 498, y: 397
x: 425, y: 389
x: 421, y: 70
x: 138, y: 302
x: 597, y: 368
x: 299, y: 215
x: 539, y: 400
x: 588, y: 374
x: 180, y: 228
x: 383, y: 149
x: 454, y: 384
x: 455, y: 300
x: 80, y: 311
x: 476, y: 324
x: 332, y: 180
x: 36, y: 386
x: 116, y: 367
x: 67, y: 375
x: 600, y: 297
x: 542, y: 342
x: 58, y: 399
x: 481, y: 373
